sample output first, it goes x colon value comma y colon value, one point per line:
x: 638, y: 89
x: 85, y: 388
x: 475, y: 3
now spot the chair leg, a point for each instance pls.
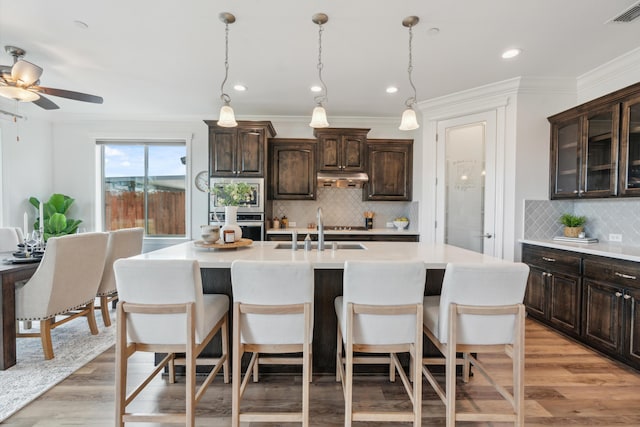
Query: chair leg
x: 348, y: 397
x: 255, y: 368
x: 104, y: 307
x: 172, y: 369
x: 225, y: 347
x: 45, y: 337
x: 236, y: 377
x: 191, y: 387
x: 466, y: 368
x: 91, y: 318
x: 451, y: 368
x: 121, y: 367
x: 518, y: 368
x: 338, y: 353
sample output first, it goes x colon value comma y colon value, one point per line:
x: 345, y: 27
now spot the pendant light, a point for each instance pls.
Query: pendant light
x: 227, y: 118
x: 319, y: 116
x: 409, y: 120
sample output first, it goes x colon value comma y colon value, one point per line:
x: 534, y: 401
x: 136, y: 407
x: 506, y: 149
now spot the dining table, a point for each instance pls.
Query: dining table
x: 11, y: 273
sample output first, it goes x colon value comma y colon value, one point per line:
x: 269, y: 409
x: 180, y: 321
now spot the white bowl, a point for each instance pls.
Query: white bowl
x: 400, y: 225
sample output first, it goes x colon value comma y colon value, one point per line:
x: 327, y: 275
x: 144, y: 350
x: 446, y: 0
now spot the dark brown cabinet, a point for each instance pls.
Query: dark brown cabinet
x: 630, y: 148
x: 239, y: 151
x: 554, y: 287
x: 341, y: 149
x: 390, y: 170
x: 292, y: 172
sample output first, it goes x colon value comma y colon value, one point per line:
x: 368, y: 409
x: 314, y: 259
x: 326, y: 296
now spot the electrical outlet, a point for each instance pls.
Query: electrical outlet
x: 615, y: 237
x: 390, y: 224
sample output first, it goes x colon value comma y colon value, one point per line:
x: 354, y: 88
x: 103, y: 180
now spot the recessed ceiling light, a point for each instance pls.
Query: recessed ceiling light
x: 316, y: 89
x: 80, y: 24
x: 240, y: 88
x: 433, y: 31
x: 392, y: 89
x: 511, y: 53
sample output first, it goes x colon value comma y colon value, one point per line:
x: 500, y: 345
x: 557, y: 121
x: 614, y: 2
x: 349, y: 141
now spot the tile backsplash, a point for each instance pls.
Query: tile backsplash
x: 604, y: 217
x: 344, y: 206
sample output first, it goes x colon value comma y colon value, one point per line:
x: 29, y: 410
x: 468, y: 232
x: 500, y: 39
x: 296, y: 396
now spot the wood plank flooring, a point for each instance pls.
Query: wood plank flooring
x: 566, y: 385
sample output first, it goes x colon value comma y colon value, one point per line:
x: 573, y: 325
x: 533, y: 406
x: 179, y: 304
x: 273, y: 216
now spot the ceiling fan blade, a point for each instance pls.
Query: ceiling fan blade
x: 25, y: 73
x: 46, y: 103
x: 78, y: 96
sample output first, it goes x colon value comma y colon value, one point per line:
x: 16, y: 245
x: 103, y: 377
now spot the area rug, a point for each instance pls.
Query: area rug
x: 73, y: 347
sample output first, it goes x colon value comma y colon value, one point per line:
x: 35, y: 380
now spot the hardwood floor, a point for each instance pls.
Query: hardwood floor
x: 566, y: 385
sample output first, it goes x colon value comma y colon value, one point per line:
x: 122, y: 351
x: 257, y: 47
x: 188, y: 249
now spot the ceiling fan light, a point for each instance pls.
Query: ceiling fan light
x: 319, y: 118
x: 227, y: 118
x: 25, y: 72
x: 18, y: 94
x: 409, y: 120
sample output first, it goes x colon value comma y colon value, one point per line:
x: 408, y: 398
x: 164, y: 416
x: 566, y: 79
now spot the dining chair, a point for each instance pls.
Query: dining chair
x: 122, y: 244
x: 380, y: 312
x: 479, y: 311
x: 162, y: 309
x: 9, y: 239
x: 64, y: 284
x: 272, y: 313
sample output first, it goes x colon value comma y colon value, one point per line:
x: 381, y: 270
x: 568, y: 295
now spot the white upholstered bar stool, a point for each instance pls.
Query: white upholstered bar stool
x: 381, y: 312
x: 272, y: 313
x: 122, y: 244
x: 479, y: 311
x: 162, y: 309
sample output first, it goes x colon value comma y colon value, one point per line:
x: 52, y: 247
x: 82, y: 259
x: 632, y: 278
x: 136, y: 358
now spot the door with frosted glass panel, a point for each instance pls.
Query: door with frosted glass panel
x: 466, y: 183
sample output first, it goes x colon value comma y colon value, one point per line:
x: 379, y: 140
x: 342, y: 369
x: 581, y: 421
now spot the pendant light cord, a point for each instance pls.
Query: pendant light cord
x: 224, y: 97
x: 411, y: 100
x: 320, y: 98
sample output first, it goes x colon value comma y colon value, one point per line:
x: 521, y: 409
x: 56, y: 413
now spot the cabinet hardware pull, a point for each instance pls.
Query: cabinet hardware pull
x: 627, y: 296
x: 618, y: 294
x: 548, y: 259
x: 544, y: 274
x: 625, y: 276
x: 575, y: 191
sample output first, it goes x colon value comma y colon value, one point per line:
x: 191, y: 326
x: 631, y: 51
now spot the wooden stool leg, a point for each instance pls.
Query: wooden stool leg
x: 45, y: 337
x: 236, y: 377
x: 104, y: 308
x: 338, y: 353
x: 225, y: 347
x: 451, y: 368
x: 91, y: 318
x: 121, y: 366
x: 518, y: 368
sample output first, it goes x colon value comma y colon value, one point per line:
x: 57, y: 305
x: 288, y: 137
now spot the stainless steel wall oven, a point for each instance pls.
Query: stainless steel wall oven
x: 250, y: 215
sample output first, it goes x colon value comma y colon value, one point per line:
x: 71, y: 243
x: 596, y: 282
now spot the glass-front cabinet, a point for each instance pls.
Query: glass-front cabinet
x: 630, y: 148
x: 584, y: 154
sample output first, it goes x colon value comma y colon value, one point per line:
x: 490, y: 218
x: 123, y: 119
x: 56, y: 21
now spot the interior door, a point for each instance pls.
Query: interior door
x: 465, y: 191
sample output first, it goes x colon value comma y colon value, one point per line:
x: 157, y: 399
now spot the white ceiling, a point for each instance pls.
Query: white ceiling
x: 165, y: 58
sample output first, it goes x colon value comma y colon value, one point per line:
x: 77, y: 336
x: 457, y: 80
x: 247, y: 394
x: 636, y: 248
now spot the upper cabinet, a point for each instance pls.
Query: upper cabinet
x: 292, y: 169
x: 630, y: 148
x: 239, y: 151
x: 341, y: 149
x: 390, y: 164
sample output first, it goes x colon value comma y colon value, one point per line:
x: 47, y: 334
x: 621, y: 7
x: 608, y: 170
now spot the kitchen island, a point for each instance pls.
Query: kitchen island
x: 328, y: 266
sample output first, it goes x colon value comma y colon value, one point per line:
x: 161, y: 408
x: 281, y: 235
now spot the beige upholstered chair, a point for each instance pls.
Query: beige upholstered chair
x: 9, y: 239
x: 381, y: 312
x: 479, y: 311
x: 272, y: 313
x: 162, y: 309
x: 65, y: 283
x: 122, y: 244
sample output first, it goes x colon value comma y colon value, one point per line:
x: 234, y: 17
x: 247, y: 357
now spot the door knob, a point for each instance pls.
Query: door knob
x: 487, y: 235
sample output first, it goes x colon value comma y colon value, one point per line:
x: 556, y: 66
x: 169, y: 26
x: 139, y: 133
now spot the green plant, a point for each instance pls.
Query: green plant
x: 232, y: 194
x: 569, y: 220
x: 54, y: 216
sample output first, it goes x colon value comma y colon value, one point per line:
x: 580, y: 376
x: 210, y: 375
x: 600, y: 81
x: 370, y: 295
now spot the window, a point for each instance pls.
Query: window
x: 144, y: 186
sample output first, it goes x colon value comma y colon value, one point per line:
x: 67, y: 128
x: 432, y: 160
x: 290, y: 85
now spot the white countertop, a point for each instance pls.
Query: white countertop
x: 611, y: 250
x: 304, y: 231
x: 434, y: 256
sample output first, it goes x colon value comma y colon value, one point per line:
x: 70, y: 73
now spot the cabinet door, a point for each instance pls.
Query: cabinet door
x: 390, y: 171
x: 564, y: 302
x: 602, y: 316
x: 250, y: 152
x: 565, y: 158
x: 535, y: 297
x: 222, y: 152
x: 600, y: 154
x: 292, y: 171
x: 353, y: 158
x: 632, y: 327
x: 630, y: 148
x: 329, y: 153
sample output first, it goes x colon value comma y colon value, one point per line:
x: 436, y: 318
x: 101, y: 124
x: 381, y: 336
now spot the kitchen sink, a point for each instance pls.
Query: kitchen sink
x: 327, y: 246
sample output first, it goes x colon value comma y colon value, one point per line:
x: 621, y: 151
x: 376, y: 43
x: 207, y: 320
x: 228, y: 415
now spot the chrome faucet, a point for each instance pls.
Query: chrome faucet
x: 320, y: 230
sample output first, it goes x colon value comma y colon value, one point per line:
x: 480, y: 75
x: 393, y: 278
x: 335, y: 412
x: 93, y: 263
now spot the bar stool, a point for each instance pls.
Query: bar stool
x: 479, y: 311
x: 381, y: 312
x: 162, y: 309
x: 272, y: 313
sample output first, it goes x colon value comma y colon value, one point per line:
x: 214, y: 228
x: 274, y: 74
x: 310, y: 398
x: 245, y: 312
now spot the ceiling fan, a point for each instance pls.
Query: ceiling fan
x: 21, y: 82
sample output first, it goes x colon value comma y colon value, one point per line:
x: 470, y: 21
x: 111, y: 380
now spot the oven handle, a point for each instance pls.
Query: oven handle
x: 251, y: 223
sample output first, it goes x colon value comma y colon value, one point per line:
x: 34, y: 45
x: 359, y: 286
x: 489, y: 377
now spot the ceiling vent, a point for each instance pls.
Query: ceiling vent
x: 631, y: 13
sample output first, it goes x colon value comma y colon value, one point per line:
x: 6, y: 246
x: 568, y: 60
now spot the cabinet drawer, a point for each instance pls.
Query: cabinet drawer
x: 551, y: 259
x: 626, y: 273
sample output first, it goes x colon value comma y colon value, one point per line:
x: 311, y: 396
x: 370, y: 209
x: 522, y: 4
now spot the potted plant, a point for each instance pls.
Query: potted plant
x: 231, y: 195
x: 573, y: 224
x: 54, y: 216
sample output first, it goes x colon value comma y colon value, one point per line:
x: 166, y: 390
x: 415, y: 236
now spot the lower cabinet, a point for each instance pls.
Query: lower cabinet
x: 591, y: 298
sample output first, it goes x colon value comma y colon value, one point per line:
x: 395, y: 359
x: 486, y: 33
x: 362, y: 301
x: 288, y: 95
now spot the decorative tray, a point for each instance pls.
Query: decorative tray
x: 216, y: 245
x: 576, y: 239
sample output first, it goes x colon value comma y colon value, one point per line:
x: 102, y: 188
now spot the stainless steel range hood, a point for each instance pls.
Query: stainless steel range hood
x: 342, y: 179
